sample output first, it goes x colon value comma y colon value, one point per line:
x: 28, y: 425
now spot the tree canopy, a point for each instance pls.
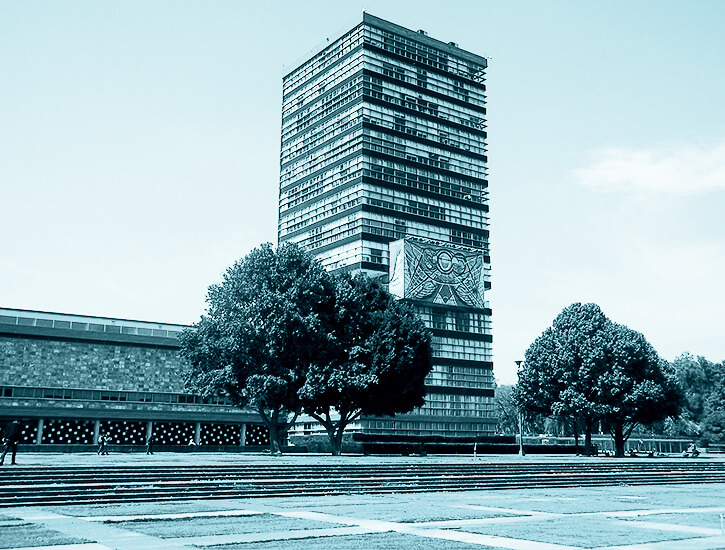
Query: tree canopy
x: 587, y: 368
x: 264, y: 325
x: 281, y: 336
x: 376, y: 358
x: 562, y: 365
x: 703, y: 385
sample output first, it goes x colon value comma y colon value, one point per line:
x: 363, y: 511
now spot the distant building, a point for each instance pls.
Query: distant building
x: 68, y: 378
x: 383, y: 170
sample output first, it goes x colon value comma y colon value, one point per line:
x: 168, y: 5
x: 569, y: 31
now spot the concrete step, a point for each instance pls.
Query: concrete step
x: 63, y: 485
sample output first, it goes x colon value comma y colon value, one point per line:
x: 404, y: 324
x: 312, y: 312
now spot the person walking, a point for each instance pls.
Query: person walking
x: 150, y: 444
x: 102, y: 445
x: 10, y: 440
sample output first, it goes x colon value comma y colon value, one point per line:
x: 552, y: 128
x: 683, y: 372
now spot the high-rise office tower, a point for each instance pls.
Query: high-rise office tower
x: 383, y: 170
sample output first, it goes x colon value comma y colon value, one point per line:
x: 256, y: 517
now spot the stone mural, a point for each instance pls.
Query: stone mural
x: 445, y: 275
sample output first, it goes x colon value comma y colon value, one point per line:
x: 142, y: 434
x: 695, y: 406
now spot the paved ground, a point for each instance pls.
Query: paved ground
x: 677, y: 517
x: 197, y: 458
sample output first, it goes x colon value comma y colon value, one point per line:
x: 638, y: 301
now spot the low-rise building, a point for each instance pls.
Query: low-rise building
x: 69, y: 378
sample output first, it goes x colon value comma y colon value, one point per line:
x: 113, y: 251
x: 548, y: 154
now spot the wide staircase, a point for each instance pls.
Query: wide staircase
x: 24, y: 486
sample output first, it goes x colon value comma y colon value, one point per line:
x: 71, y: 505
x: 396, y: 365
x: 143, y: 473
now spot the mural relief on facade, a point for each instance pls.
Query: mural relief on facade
x: 435, y: 273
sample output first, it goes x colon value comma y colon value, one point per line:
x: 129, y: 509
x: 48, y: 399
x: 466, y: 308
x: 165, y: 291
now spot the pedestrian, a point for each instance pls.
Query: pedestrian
x: 150, y: 444
x: 102, y: 444
x: 10, y: 440
x: 692, y: 450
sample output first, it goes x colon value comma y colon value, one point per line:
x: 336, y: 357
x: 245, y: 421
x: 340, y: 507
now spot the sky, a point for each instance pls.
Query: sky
x: 139, y: 154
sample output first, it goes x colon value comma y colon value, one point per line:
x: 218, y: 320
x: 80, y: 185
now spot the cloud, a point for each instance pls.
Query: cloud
x: 682, y: 170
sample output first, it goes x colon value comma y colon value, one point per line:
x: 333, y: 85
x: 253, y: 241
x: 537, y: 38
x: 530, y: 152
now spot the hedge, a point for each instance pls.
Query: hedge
x: 425, y: 439
x: 403, y: 448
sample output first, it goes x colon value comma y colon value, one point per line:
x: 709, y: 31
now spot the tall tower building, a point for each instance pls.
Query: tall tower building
x: 383, y: 170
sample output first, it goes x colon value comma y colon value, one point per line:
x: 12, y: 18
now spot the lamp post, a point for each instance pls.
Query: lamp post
x: 521, y: 418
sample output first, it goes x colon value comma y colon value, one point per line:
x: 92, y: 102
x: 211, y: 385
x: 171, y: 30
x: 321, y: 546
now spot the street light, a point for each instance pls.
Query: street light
x: 521, y: 418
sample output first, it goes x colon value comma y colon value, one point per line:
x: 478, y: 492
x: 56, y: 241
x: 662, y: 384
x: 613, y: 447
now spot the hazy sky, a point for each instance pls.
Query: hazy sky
x: 139, y: 154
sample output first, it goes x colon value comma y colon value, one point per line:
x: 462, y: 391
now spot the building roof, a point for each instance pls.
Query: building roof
x: 51, y: 325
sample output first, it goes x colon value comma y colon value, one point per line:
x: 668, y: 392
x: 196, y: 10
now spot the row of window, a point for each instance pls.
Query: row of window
x: 345, y: 255
x: 460, y: 321
x: 479, y: 379
x: 326, y: 130
x: 377, y: 225
x: 435, y: 209
x: 318, y: 211
x: 332, y: 102
x: 384, y: 225
x: 313, y: 89
x: 380, y: 142
x: 326, y: 155
x: 322, y: 182
x: 425, y: 54
x: 87, y: 327
x: 462, y: 350
x: 390, y: 200
x: 407, y: 73
x: 418, y: 177
x: 319, y: 63
x: 426, y: 129
x: 341, y: 123
x: 382, y: 90
x: 467, y: 406
x: 21, y: 392
x: 385, y: 171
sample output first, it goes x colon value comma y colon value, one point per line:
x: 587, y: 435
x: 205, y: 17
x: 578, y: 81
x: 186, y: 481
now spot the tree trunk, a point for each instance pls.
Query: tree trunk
x: 588, y: 437
x: 333, y: 429
x: 272, y: 423
x: 618, y: 436
x: 336, y: 434
x: 274, y: 446
x: 337, y: 441
x: 575, y: 429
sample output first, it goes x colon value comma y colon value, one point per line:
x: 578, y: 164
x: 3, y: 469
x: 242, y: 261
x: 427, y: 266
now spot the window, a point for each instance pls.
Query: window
x: 439, y: 319
x: 462, y: 321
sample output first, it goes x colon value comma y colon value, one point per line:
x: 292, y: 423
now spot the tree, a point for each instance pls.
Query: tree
x: 506, y: 410
x: 375, y: 360
x: 264, y: 324
x: 637, y: 388
x: 561, y: 366
x: 713, y: 427
x: 585, y: 367
x: 700, y: 381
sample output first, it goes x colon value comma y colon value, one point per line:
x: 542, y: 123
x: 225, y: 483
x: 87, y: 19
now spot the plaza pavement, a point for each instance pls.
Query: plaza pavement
x: 213, y: 458
x: 675, y: 517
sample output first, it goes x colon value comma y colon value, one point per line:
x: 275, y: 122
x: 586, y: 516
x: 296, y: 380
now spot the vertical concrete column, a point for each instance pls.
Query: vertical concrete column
x: 39, y: 435
x: 243, y: 435
x: 197, y: 433
x: 149, y: 429
x: 96, y: 431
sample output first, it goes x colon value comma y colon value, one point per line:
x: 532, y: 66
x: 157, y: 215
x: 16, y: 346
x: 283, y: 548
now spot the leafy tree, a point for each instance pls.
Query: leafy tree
x: 586, y: 368
x: 561, y: 366
x: 506, y: 410
x: 714, y: 417
x: 264, y: 325
x: 636, y: 388
x: 700, y: 381
x: 375, y: 360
